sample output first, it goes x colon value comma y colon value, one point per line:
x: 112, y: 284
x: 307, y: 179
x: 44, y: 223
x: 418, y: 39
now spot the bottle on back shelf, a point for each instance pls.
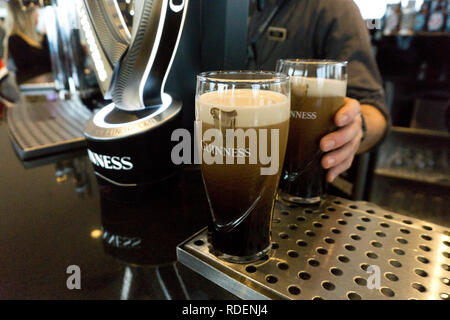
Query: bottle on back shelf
x: 436, y: 21
x: 421, y: 19
x: 447, y: 28
x: 393, y: 18
x: 408, y: 16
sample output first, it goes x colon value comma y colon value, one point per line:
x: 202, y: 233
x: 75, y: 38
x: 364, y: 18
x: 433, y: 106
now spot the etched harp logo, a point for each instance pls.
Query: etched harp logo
x: 224, y: 120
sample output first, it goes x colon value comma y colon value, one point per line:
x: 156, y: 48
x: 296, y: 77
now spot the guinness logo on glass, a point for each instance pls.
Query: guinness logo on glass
x: 224, y: 120
x: 304, y: 115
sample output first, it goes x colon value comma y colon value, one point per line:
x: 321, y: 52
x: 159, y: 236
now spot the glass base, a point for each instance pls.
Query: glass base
x: 244, y: 260
x: 298, y: 200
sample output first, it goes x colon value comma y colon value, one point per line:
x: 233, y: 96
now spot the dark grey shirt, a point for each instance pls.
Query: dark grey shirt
x: 323, y: 29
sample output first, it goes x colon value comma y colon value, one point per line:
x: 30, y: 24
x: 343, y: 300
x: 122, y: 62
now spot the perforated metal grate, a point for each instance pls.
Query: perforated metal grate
x: 326, y: 253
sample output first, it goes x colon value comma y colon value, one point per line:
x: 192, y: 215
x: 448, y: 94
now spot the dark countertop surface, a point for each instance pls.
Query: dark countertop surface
x: 53, y: 215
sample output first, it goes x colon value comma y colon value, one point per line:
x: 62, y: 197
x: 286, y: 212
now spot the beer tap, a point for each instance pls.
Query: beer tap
x: 129, y: 140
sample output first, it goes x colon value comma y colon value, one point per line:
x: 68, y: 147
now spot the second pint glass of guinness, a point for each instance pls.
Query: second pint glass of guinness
x: 242, y: 126
x: 318, y: 89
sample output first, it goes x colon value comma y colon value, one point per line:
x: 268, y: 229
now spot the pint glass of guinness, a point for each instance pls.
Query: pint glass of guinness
x: 318, y: 89
x: 242, y: 126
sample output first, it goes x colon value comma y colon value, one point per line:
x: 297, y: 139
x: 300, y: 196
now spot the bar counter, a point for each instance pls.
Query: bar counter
x: 54, y: 216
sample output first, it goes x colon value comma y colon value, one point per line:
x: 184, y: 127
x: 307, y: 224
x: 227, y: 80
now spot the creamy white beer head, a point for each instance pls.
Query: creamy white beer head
x: 317, y: 87
x: 254, y: 108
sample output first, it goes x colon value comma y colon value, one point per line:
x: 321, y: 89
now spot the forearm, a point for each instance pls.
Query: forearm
x: 376, y: 125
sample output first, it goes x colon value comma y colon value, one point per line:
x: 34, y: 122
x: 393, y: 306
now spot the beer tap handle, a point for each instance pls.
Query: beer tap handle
x: 140, y: 77
x: 107, y: 36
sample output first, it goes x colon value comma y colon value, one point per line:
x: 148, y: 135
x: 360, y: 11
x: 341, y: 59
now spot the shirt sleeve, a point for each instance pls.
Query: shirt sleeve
x: 344, y: 36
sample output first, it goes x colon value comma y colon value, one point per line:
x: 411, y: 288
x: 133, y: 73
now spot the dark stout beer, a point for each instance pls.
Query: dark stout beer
x: 240, y: 197
x: 314, y: 103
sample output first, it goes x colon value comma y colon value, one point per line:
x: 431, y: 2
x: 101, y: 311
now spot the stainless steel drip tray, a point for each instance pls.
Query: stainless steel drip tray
x: 326, y: 252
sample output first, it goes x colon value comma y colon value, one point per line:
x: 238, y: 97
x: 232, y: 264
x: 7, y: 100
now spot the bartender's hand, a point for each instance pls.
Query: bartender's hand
x: 342, y: 145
